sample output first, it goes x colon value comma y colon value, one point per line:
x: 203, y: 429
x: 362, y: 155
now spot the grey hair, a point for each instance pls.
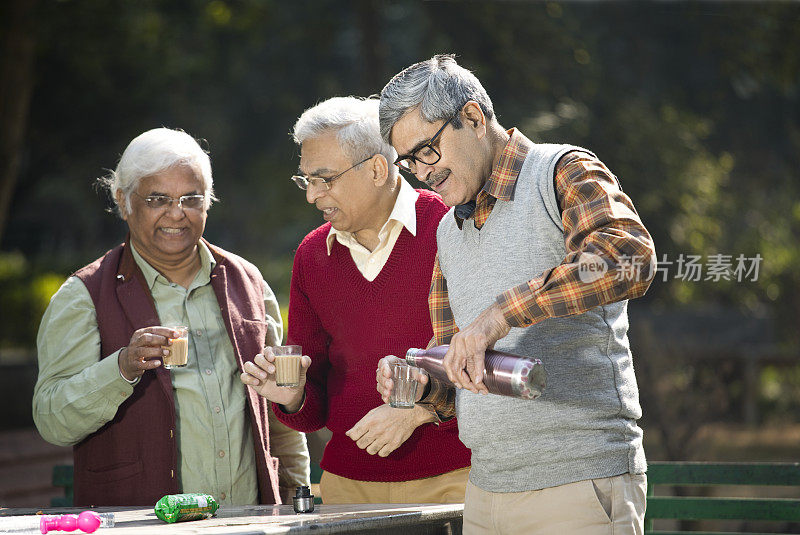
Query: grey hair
x: 152, y: 152
x: 439, y: 87
x: 355, y: 121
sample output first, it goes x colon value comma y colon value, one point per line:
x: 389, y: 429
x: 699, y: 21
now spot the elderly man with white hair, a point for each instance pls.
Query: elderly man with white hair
x: 358, y: 293
x: 139, y: 430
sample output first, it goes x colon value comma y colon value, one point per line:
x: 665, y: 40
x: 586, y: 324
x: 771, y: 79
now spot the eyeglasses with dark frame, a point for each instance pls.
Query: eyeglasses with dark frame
x: 303, y: 181
x: 185, y: 202
x: 426, y: 154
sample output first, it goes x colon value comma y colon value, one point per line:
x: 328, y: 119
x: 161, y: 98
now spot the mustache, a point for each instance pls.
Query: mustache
x: 438, y: 177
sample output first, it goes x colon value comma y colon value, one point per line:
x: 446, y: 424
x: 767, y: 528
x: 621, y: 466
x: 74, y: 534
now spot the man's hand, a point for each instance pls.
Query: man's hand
x: 144, y: 351
x: 383, y: 429
x: 260, y: 374
x: 464, y: 361
x: 385, y: 384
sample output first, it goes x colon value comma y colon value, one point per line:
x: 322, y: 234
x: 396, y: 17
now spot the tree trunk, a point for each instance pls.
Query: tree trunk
x: 16, y: 85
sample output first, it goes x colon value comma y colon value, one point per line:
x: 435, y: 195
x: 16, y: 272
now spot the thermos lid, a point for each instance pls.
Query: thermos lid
x: 303, y: 500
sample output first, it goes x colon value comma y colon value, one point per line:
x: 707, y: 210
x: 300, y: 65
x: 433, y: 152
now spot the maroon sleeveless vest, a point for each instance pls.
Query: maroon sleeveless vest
x: 132, y: 460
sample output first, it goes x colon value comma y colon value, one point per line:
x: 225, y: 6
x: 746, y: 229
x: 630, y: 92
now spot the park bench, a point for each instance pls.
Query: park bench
x: 63, y: 476
x: 669, y: 474
x: 695, y: 474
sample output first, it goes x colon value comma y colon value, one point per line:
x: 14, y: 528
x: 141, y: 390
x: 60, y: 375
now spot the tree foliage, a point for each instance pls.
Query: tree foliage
x: 694, y: 106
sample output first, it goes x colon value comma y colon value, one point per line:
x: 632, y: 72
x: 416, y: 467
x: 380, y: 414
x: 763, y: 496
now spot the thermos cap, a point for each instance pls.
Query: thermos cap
x: 303, y: 500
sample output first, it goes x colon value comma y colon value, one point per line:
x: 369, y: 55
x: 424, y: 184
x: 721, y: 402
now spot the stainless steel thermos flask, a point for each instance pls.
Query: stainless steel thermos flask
x: 504, y: 374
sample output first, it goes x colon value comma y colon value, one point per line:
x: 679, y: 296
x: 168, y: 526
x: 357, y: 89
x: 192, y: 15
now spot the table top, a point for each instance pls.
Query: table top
x: 270, y: 519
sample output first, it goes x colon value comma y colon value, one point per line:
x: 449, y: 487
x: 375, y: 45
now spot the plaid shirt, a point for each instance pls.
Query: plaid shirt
x: 598, y: 218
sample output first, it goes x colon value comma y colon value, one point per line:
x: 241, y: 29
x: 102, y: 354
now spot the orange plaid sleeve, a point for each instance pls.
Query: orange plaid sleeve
x: 440, y: 397
x: 600, y: 224
x: 444, y: 326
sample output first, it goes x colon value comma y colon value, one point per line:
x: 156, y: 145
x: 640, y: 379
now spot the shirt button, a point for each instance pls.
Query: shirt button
x: 371, y: 260
x: 221, y: 454
x: 217, y: 409
x: 222, y: 496
x: 198, y: 332
x: 208, y: 372
x: 123, y: 394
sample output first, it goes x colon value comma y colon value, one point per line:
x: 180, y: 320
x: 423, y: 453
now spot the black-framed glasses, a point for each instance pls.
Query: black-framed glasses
x: 185, y: 202
x: 426, y: 154
x: 304, y: 182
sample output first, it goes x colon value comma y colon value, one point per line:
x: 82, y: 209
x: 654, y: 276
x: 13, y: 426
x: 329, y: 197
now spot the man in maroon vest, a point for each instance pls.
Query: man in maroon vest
x: 141, y: 431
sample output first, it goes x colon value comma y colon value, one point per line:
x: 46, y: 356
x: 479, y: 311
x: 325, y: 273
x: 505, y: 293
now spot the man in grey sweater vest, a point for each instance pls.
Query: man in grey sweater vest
x: 538, y: 256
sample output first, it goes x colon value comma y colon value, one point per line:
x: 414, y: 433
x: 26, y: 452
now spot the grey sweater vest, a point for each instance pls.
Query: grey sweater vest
x: 584, y: 424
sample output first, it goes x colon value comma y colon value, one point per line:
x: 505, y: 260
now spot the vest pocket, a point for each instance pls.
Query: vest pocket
x: 256, y: 331
x: 114, y: 473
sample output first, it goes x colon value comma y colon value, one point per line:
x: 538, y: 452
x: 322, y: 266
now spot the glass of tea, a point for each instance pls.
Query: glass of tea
x: 178, y: 348
x: 287, y: 365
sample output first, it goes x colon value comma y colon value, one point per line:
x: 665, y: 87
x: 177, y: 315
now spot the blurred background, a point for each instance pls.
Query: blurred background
x: 694, y: 106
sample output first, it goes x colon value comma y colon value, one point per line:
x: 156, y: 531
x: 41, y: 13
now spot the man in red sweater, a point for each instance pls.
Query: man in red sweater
x: 359, y: 292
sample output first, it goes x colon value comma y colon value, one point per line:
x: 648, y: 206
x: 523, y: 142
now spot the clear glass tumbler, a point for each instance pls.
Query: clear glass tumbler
x: 178, y: 350
x: 287, y: 365
x: 404, y: 392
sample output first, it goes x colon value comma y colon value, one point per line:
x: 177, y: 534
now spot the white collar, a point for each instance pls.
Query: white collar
x: 404, y: 212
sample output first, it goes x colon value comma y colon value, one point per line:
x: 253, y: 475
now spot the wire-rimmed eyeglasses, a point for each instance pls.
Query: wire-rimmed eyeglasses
x: 303, y: 182
x: 185, y: 202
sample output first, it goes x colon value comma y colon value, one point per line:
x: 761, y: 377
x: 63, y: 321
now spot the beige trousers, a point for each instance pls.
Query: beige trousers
x: 607, y: 506
x: 444, y: 488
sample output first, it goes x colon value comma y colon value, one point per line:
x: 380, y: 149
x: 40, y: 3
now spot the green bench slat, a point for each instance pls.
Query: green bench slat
x: 724, y: 474
x: 719, y: 508
x: 316, y: 473
x: 61, y: 501
x: 701, y: 508
x: 63, y: 475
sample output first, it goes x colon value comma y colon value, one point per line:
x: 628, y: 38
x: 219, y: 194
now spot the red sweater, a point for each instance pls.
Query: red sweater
x: 346, y: 324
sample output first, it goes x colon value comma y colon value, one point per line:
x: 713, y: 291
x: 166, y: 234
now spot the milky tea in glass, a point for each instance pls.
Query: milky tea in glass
x: 179, y: 349
x: 287, y: 365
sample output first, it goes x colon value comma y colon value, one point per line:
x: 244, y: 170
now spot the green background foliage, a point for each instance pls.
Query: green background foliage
x: 694, y: 106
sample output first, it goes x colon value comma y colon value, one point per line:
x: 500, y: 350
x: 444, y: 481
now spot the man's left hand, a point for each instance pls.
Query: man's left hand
x: 383, y: 429
x: 464, y: 361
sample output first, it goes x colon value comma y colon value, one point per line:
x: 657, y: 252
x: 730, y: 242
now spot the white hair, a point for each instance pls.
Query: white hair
x: 153, y: 152
x: 439, y: 87
x: 355, y: 121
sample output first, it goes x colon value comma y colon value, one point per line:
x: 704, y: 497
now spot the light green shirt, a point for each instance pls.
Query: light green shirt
x: 76, y: 394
